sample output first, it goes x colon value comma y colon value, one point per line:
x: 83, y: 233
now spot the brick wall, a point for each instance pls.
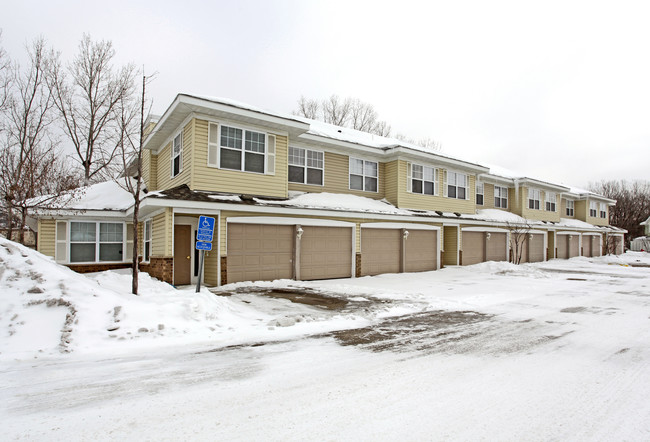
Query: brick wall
x: 357, y: 265
x: 89, y: 268
x: 224, y: 270
x: 161, y: 268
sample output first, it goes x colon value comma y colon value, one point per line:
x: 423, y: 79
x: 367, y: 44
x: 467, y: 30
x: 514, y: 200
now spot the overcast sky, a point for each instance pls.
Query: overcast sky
x: 553, y: 90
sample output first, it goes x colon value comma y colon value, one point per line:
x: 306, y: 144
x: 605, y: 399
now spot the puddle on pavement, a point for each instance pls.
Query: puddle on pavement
x: 298, y: 295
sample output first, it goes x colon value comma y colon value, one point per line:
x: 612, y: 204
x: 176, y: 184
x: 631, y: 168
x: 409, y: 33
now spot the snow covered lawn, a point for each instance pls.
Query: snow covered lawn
x: 557, y: 350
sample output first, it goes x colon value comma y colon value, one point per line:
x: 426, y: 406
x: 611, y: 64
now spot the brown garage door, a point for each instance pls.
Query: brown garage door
x: 536, y: 250
x: 259, y: 252
x: 325, y: 252
x: 473, y: 247
x: 380, y: 251
x: 587, y: 245
x: 574, y: 246
x: 496, y: 247
x: 421, y: 251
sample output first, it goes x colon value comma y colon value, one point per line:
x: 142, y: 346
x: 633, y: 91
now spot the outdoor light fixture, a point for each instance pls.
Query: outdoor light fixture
x: 570, y: 237
x: 530, y: 236
x: 488, y: 235
x: 406, y: 234
x: 299, y: 232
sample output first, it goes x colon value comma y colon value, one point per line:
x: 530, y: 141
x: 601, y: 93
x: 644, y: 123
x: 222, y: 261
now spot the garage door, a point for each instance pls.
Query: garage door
x: 536, y: 250
x: 496, y: 247
x: 563, y: 246
x: 574, y: 246
x: 473, y: 247
x: 587, y: 245
x: 421, y: 251
x: 259, y: 252
x: 380, y: 251
x: 325, y: 252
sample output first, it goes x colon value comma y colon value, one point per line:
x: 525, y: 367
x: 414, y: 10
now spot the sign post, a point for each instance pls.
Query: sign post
x: 204, y: 237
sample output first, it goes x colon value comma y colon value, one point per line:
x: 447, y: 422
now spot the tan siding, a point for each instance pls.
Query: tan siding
x: 146, y: 168
x: 597, y: 220
x: 221, y: 180
x: 450, y: 237
x: 337, y: 178
x: 408, y: 200
x: 211, y: 267
x: 582, y: 210
x: 392, y: 178
x: 563, y: 209
x: 488, y: 197
x: 154, y: 172
x: 162, y: 234
x: 47, y: 237
x: 165, y: 181
x: 521, y: 207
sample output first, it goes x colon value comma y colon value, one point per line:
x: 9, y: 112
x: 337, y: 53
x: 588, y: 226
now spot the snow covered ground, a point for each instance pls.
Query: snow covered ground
x: 550, y: 351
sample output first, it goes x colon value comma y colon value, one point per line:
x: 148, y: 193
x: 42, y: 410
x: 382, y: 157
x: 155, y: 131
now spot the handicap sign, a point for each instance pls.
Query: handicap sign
x: 205, y: 230
x: 207, y: 246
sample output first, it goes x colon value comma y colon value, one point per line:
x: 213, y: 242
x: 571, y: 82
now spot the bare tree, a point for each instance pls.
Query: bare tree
x: 5, y: 77
x: 632, y: 203
x: 426, y: 142
x: 336, y: 111
x: 612, y: 243
x: 308, y: 108
x: 29, y: 161
x: 130, y: 113
x: 86, y: 95
x: 519, y: 233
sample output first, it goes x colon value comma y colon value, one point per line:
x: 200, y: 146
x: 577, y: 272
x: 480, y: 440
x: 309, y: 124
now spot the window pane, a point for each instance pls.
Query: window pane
x: 296, y: 174
x: 177, y: 144
x: 370, y: 168
x: 416, y: 186
x: 356, y: 182
x: 110, y: 232
x: 451, y: 191
x: 110, y: 252
x: 255, y: 141
x: 296, y: 156
x: 82, y: 232
x: 230, y: 159
x: 315, y: 176
x: 428, y: 174
x: 147, y: 230
x: 147, y: 246
x: 356, y: 166
x: 315, y: 159
x: 479, y: 200
x: 231, y: 137
x: 428, y: 188
x: 462, y: 180
x: 451, y: 178
x: 371, y: 184
x: 461, y: 193
x: 82, y: 252
x: 254, y: 162
x: 417, y: 171
x: 177, y: 166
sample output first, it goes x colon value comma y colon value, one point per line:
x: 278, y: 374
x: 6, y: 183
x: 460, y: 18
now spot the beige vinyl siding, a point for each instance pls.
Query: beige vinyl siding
x: 165, y: 180
x: 222, y: 180
x: 391, y: 179
x: 520, y: 206
x: 581, y: 210
x: 146, y: 168
x: 597, y: 220
x: 358, y: 221
x: 408, y: 200
x: 161, y: 234
x: 337, y: 177
x: 211, y: 266
x: 47, y: 236
x: 488, y: 197
x: 450, y: 238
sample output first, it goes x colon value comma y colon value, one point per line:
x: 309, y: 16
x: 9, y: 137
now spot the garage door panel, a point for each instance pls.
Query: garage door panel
x: 380, y: 250
x: 496, y: 247
x: 536, y: 248
x: 325, y: 252
x: 421, y: 251
x: 473, y: 247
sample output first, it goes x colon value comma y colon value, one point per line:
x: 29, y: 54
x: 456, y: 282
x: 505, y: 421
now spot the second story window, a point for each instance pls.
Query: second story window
x: 534, y: 198
x: 570, y: 207
x: 501, y: 197
x: 551, y: 200
x: 363, y: 175
x: 480, y: 192
x: 423, y: 179
x: 603, y: 210
x: 305, y: 166
x: 457, y: 185
x: 241, y: 149
x: 593, y: 209
x: 177, y: 154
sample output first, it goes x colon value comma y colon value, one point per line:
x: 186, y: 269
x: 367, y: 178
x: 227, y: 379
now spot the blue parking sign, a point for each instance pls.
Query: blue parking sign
x: 206, y: 246
x: 205, y: 229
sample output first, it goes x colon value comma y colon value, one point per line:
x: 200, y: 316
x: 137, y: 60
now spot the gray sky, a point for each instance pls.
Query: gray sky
x: 554, y: 90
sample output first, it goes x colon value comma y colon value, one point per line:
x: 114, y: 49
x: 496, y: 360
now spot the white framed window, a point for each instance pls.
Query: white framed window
x: 364, y: 175
x: 551, y: 200
x: 501, y: 197
x: 96, y: 242
x: 457, y: 185
x: 422, y: 179
x: 306, y: 166
x: 570, y: 208
x: 534, y: 198
x: 241, y: 149
x: 177, y: 154
x: 593, y: 209
x: 147, y: 240
x: 603, y: 210
x: 480, y: 194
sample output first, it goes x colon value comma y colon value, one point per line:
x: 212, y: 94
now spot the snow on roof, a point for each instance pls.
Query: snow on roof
x: 499, y: 216
x: 108, y: 195
x: 568, y: 222
x: 336, y: 201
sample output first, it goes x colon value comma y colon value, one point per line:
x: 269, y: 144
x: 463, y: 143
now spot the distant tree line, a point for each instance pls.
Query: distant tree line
x: 632, y: 204
x: 355, y: 114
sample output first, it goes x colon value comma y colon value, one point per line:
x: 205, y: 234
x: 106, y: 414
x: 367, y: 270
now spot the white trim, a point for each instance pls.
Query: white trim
x: 180, y: 154
x: 591, y: 233
x: 305, y: 167
x: 363, y: 175
x: 194, y: 211
x: 565, y: 232
x: 485, y: 229
x: 413, y: 226
x: 288, y: 221
x: 242, y: 163
x: 467, y: 186
x: 97, y: 242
